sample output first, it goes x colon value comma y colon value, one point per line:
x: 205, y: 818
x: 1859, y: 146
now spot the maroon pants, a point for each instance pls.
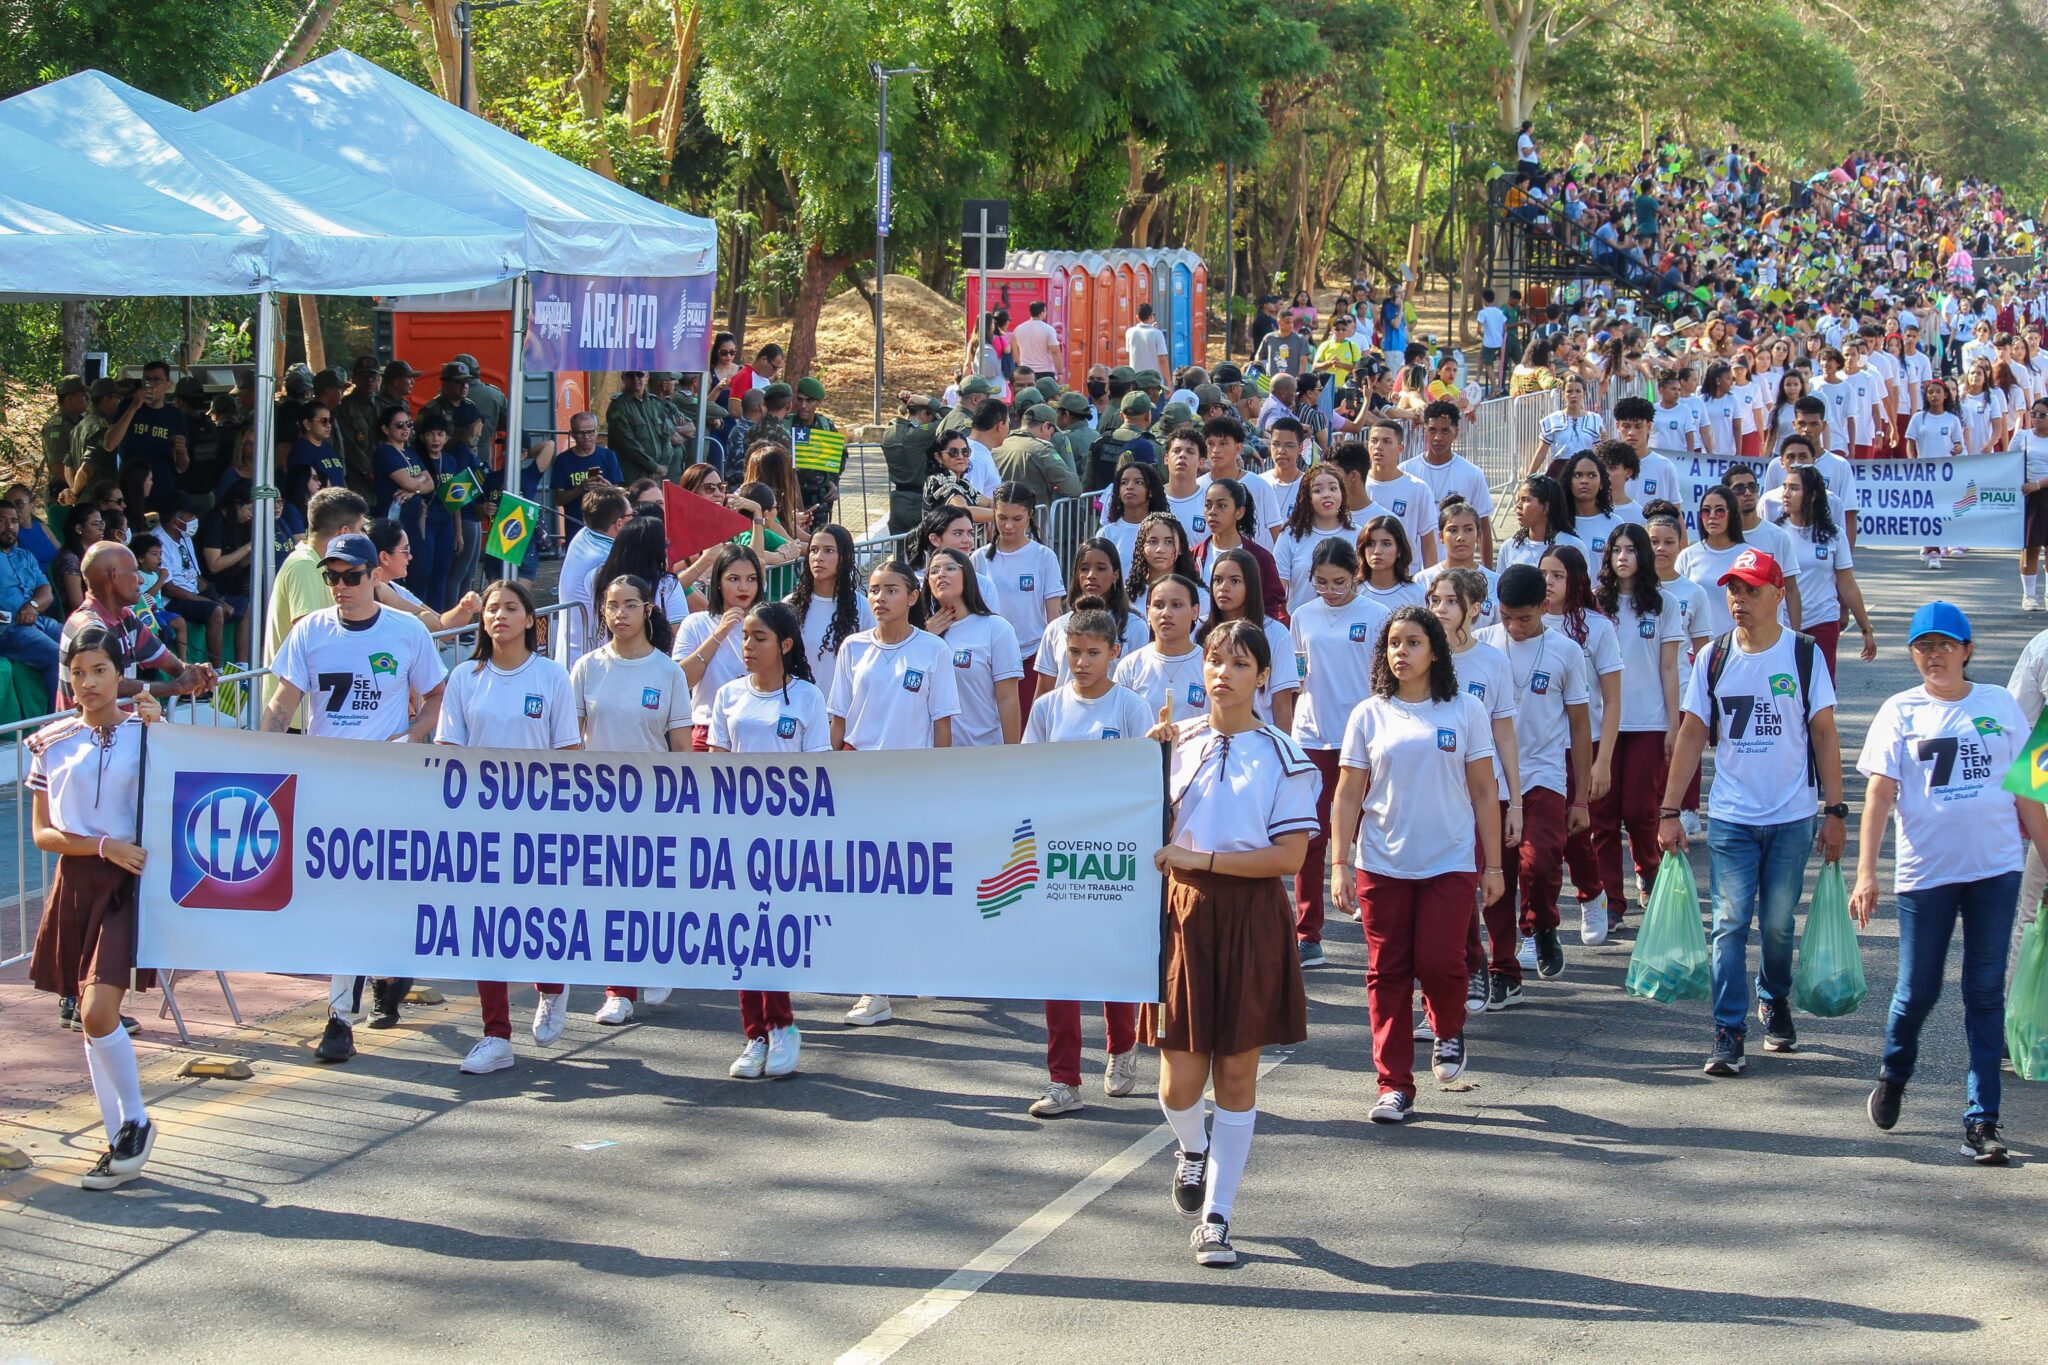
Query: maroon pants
x: 1475, y: 946
x: 1534, y: 868
x: 764, y: 1010
x: 1063, y: 1035
x: 496, y: 999
x: 1414, y: 935
x: 1631, y: 804
x: 1311, y: 884
x: 1829, y: 638
x: 1581, y: 853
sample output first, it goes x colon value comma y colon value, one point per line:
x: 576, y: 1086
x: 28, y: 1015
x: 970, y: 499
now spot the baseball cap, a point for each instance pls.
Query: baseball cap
x: 1075, y: 403
x: 365, y: 365
x: 1122, y: 374
x: 1135, y: 402
x: 455, y: 369
x: 354, y: 548
x: 106, y: 386
x: 69, y: 385
x: 1757, y: 569
x: 1939, y: 618
x: 465, y: 358
x: 330, y: 378
x: 974, y: 385
x: 777, y: 390
x: 1208, y: 395
x: 1228, y: 374
x: 1040, y: 412
x: 1149, y: 379
x: 811, y: 387
x: 400, y: 369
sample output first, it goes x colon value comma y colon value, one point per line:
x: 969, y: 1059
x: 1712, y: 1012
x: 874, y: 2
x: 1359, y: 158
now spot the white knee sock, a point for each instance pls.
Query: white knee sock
x: 103, y: 1091
x: 1189, y: 1125
x: 1232, y: 1143
x: 116, y: 1055
x: 2030, y: 583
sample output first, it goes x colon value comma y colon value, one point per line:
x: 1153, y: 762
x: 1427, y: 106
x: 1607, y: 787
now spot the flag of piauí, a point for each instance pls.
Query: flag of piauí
x: 2028, y: 775
x: 820, y: 451
x: 517, y: 520
x: 460, y: 489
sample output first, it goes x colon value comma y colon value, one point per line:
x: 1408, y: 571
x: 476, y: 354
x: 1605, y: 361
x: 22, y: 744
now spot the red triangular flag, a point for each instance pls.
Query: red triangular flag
x: 695, y: 523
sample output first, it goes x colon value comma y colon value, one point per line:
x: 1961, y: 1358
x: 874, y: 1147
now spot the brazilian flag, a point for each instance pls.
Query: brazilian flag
x: 460, y: 489
x: 2028, y: 776
x: 517, y: 520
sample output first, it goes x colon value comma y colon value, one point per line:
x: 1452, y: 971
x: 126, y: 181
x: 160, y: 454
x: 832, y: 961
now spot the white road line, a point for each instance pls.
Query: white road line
x: 929, y: 1310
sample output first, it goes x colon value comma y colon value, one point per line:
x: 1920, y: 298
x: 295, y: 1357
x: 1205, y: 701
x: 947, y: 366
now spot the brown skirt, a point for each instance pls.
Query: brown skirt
x: 1233, y: 973
x: 88, y: 931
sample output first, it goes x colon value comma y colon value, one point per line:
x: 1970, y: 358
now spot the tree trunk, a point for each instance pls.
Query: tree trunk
x: 432, y: 25
x: 79, y: 319
x: 311, y: 25
x: 670, y: 128
x: 593, y: 86
x: 819, y: 272
x: 309, y: 323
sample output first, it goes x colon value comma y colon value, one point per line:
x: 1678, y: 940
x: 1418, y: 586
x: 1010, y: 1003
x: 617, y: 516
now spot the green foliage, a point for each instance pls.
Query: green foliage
x: 190, y: 52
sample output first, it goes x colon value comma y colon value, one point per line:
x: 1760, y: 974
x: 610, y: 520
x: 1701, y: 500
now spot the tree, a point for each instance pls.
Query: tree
x: 1532, y: 31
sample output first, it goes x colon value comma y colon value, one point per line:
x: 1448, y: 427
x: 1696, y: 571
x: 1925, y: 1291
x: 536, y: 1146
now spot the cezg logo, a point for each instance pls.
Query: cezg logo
x: 232, y: 840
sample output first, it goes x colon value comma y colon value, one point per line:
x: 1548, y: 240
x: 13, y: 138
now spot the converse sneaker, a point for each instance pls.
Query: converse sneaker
x: 1727, y: 1058
x: 1120, y: 1077
x: 870, y: 1009
x: 1525, y: 953
x: 1211, y: 1241
x: 1393, y: 1107
x: 132, y: 1146
x: 1423, y: 1032
x: 103, y: 1176
x: 785, y: 1046
x: 1190, y: 1182
x: 1476, y: 992
x: 1450, y: 1059
x: 550, y: 1015
x: 1981, y: 1144
x: 616, y: 1009
x: 752, y: 1061
x: 1593, y: 924
x: 1058, y: 1099
x: 490, y: 1054
x: 1549, y: 954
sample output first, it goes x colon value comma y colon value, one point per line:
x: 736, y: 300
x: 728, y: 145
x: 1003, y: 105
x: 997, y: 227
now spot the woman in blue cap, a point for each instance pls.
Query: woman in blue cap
x: 1936, y: 757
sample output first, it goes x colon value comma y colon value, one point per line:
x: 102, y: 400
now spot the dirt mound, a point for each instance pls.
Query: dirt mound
x: 926, y: 342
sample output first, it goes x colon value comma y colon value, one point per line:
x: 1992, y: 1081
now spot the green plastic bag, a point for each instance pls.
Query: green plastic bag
x: 1670, y: 961
x: 1829, y: 978
x: 2026, y: 1006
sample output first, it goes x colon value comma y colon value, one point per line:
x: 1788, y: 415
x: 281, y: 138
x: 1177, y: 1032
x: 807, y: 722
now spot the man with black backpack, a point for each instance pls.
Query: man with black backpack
x: 1130, y: 443
x: 1759, y: 698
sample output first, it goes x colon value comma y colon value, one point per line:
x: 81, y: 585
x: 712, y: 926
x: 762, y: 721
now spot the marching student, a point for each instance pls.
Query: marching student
x: 85, y: 773
x: 1449, y: 474
x: 1029, y: 592
x: 1407, y: 499
x: 1319, y: 514
x: 707, y: 642
x: 828, y: 600
x: 951, y: 528
x: 1822, y: 564
x: 1567, y: 431
x: 1184, y: 486
x: 987, y: 664
x: 1243, y: 802
x: 1667, y: 538
x: 1163, y: 550
x: 1543, y: 518
x: 1554, y: 746
x: 1168, y: 671
x: 1389, y: 579
x: 1334, y: 635
x: 508, y: 695
x: 1235, y: 594
x: 1650, y: 628
x: 1703, y: 561
x: 396, y: 696
x: 1459, y: 531
x: 775, y: 708
x: 632, y: 698
x: 1098, y: 573
x: 2032, y: 443
x: 1233, y: 525
x: 1569, y: 610
x: 1416, y: 779
x: 1594, y: 515
x: 1138, y: 493
x: 893, y: 689
x: 1088, y: 705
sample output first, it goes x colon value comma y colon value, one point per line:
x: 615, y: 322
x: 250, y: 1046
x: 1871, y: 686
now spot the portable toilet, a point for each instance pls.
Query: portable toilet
x: 1124, y: 304
x: 1102, y: 275
x: 1141, y: 292
x: 1198, y: 309
x: 1180, y: 306
x: 1079, y: 334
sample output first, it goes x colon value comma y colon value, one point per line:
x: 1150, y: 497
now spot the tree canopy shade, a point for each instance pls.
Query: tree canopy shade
x: 186, y: 51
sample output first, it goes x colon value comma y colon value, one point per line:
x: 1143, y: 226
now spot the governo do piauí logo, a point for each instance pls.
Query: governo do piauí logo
x: 1018, y: 874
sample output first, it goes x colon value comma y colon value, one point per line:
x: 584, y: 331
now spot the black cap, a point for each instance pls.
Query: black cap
x: 399, y: 369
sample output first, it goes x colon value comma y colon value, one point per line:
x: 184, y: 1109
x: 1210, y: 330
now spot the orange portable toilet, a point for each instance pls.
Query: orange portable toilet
x: 1200, y: 308
x: 1123, y: 305
x: 1102, y: 278
x: 1079, y: 336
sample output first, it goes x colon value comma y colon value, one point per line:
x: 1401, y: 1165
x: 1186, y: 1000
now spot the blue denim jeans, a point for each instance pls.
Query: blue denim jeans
x: 1927, y: 920
x: 1758, y: 871
x: 36, y: 646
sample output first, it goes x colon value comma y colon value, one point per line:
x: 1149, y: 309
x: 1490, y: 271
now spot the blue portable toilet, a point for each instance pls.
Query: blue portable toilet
x: 1183, y: 332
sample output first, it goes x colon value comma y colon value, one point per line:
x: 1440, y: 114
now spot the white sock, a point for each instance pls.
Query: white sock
x: 1232, y: 1143
x: 2030, y: 583
x: 341, y: 992
x: 116, y: 1054
x: 103, y: 1091
x: 1189, y: 1125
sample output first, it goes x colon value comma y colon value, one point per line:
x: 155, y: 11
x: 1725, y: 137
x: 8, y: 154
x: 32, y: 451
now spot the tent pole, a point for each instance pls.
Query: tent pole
x: 703, y: 407
x: 263, y: 570
x: 515, y: 396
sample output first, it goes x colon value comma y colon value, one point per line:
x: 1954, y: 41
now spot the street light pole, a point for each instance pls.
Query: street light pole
x: 465, y: 12
x: 883, y: 201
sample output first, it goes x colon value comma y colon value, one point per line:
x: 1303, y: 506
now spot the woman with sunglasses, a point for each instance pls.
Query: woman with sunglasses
x: 314, y: 445
x: 950, y: 487
x: 433, y: 549
x: 1706, y: 559
x: 399, y: 483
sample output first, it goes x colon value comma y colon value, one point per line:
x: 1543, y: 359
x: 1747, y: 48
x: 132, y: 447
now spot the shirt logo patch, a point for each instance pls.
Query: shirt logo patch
x: 913, y: 680
x: 533, y: 706
x: 382, y: 662
x: 1647, y: 627
x: 785, y: 727
x: 1649, y: 485
x: 963, y: 658
x: 1360, y: 632
x: 650, y: 698
x: 1820, y: 551
x: 1198, y: 695
x: 1477, y: 689
x: 1539, y: 683
x: 1447, y: 740
x: 1111, y: 732
x: 1027, y: 582
x: 1400, y: 507
x: 1201, y: 524
x: 1783, y: 686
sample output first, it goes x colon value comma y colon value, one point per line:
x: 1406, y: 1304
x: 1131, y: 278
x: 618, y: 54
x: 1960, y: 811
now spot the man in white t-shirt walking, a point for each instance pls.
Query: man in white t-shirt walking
x: 1762, y: 696
x: 1038, y: 345
x: 1446, y: 472
x: 576, y: 630
x: 1145, y: 344
x: 1493, y: 338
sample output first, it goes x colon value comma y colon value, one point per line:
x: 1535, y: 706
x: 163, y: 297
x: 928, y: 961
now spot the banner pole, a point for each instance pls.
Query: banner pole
x: 515, y: 396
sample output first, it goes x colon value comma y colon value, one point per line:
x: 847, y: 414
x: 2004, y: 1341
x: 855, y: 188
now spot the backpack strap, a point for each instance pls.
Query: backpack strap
x: 1717, y: 663
x: 1803, y: 650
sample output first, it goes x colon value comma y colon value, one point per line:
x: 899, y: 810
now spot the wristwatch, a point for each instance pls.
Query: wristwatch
x: 1840, y: 810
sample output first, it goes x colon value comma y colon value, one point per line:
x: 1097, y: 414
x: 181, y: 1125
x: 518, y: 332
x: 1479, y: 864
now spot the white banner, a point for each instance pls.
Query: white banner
x: 1971, y: 503
x: 1025, y: 874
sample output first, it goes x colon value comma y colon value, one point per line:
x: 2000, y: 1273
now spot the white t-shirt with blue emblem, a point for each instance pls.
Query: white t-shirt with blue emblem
x: 528, y: 707
x: 789, y: 719
x: 1547, y: 673
x: 1417, y: 819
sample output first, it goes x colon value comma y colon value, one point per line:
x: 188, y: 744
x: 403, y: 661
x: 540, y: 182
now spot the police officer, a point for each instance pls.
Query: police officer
x: 972, y: 390
x: 456, y: 378
x: 679, y: 427
x: 296, y: 401
x: 1129, y: 443
x: 634, y: 427
x: 490, y: 400
x: 1122, y: 379
x: 96, y: 440
x: 71, y: 405
x: 1071, y: 433
x: 817, y: 478
x: 396, y: 390
x: 907, y: 452
x: 1028, y: 457
x: 355, y: 422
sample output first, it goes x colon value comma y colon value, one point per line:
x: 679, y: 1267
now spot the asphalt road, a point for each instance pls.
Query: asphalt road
x: 1586, y: 1193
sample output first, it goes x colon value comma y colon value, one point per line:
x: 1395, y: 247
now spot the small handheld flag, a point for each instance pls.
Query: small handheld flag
x: 460, y: 489
x: 820, y: 451
x: 513, y: 530
x: 695, y: 523
x: 2028, y: 775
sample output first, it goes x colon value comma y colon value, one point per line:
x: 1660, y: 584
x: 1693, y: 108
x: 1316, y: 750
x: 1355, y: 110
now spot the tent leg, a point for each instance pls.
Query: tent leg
x: 262, y: 569
x: 703, y: 407
x: 515, y: 396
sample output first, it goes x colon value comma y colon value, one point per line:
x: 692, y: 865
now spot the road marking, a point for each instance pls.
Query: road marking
x: 932, y: 1308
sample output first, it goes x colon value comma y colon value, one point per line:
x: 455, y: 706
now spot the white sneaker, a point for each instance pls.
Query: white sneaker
x: 655, y: 995
x: 490, y: 1054
x: 751, y: 1063
x: 1689, y: 821
x: 616, y: 1009
x: 1058, y: 1099
x: 1932, y: 561
x: 785, y: 1045
x: 1120, y: 1077
x: 549, y: 1016
x: 1422, y: 1028
x: 1593, y: 920
x: 1526, y: 954
x: 870, y: 1009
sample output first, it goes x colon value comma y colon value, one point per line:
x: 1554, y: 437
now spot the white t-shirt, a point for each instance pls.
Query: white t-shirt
x: 1188, y: 512
x: 1866, y: 405
x: 1518, y: 549
x: 1456, y: 475
x: 1157, y: 679
x: 1814, y: 568
x: 1594, y: 530
x: 1417, y: 820
x: 982, y: 651
x: 1333, y: 651
x: 528, y: 707
x: 1936, y: 435
x: 91, y: 788
x: 1038, y: 345
x: 1146, y: 347
x: 1672, y: 428
x: 1641, y: 640
x: 1980, y: 413
x: 1483, y: 675
x: 1704, y: 565
x: 1692, y: 606
x: 1123, y: 535
x: 1724, y: 423
x: 1294, y: 559
x: 1231, y: 798
x: 1568, y: 435
x: 2035, y: 449
x: 817, y: 621
x: 1760, y: 768
x: 1493, y: 327
x: 788, y: 720
x: 1548, y: 673
x: 585, y: 555
x: 1407, y: 500
x: 1488, y: 612
x: 1051, y: 661
x: 724, y: 665
x: 359, y: 682
x: 630, y: 705
x: 1400, y: 595
x: 181, y: 559
x: 1841, y: 398
x: 1658, y: 478
x: 1284, y: 676
x: 1026, y: 580
x: 1603, y: 656
x: 1282, y: 496
x: 1063, y: 715
x: 1838, y: 474
x: 890, y: 695
x: 1955, y: 821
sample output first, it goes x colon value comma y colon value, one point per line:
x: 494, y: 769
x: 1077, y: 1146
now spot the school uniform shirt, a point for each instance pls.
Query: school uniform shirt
x: 1520, y: 549
x: 1283, y: 496
x: 1025, y: 581
x: 789, y: 719
x: 1456, y: 475
x: 1488, y: 610
x: 1159, y: 679
x: 1692, y: 607
x: 1704, y: 565
x: 1282, y: 677
x: 1407, y: 500
x: 1333, y: 652
x: 981, y: 651
x: 1596, y: 529
x: 359, y: 678
x: 1955, y: 821
x: 91, y: 786
x: 1867, y: 393
x: 1568, y: 435
x: 1483, y: 675
x: 1641, y: 640
x: 1658, y: 478
x: 1400, y: 595
x: 1838, y: 474
x: 629, y: 705
x: 1547, y: 673
x: 1937, y: 435
x: 2035, y: 450
x: 1671, y: 428
x: 1294, y: 560
x: 1760, y: 771
x: 724, y: 665
x: 817, y: 620
x: 1724, y: 422
x: 1841, y: 398
x: 890, y: 695
x: 1188, y: 511
x: 1123, y: 535
x: 532, y: 706
x: 1814, y: 567
x: 1603, y: 656
x: 1979, y: 413
x: 1236, y: 793
x: 1052, y: 662
x: 1064, y: 716
x: 1417, y: 819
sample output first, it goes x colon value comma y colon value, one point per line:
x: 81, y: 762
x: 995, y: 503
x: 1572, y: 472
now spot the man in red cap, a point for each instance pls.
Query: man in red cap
x: 1757, y: 695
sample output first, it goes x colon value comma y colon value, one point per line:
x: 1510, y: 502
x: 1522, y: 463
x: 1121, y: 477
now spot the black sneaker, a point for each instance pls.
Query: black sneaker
x: 67, y: 1013
x: 1311, y: 953
x: 338, y: 1043
x: 1450, y: 1059
x: 129, y: 1026
x: 1504, y: 993
x: 1211, y: 1241
x: 103, y: 1176
x: 1884, y: 1102
x: 1393, y: 1107
x: 1776, y: 1017
x: 132, y: 1146
x: 1549, y: 954
x: 1727, y: 1058
x: 1478, y: 992
x: 1190, y: 1182
x: 1981, y: 1144
x: 386, y: 994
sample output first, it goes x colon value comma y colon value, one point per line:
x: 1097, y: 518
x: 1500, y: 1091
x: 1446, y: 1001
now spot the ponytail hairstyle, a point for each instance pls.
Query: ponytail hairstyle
x: 787, y: 627
x: 1404, y: 554
x: 483, y: 654
x: 1117, y: 601
x: 1183, y: 563
x: 1578, y: 589
x: 1557, y: 508
x: 1470, y: 587
x: 1247, y: 515
x: 896, y: 568
x: 1644, y: 593
x: 845, y: 589
x: 1603, y: 498
x: 1015, y: 495
x: 1454, y: 505
x: 1254, y: 593
x: 1094, y: 616
x: 970, y: 585
x: 661, y: 632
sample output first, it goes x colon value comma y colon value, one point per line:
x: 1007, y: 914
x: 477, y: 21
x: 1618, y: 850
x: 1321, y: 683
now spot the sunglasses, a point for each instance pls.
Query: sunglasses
x: 335, y: 578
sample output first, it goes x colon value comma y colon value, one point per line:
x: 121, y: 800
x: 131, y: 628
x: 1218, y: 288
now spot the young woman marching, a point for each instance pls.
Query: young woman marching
x: 1706, y: 559
x: 1244, y: 809
x: 1098, y: 573
x: 631, y: 698
x: 1138, y: 493
x: 1235, y: 594
x: 987, y: 666
x: 1457, y: 530
x: 1823, y: 564
x: 1168, y: 671
x: 509, y: 697
x: 1594, y: 515
x: 1649, y: 626
x: 1319, y: 514
x: 86, y: 775
x: 1568, y: 609
x: 1029, y: 592
x: 1089, y: 705
x: 828, y: 600
x: 707, y: 642
x: 1543, y: 518
x: 1417, y: 779
x: 1163, y: 550
x: 893, y: 689
x: 1334, y: 634
x: 775, y: 708
x: 1233, y: 525
x: 2032, y: 443
x: 1389, y: 562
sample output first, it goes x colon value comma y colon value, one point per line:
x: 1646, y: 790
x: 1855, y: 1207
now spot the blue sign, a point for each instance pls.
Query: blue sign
x: 598, y: 322
x: 882, y: 197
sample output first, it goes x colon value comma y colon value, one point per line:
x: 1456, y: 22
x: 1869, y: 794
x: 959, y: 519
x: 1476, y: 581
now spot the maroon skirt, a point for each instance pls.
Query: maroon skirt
x: 87, y: 936
x: 1233, y: 973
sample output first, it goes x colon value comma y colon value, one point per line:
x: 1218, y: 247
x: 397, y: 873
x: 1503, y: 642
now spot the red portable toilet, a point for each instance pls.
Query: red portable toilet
x: 1102, y: 276
x: 1201, y: 312
x: 1079, y: 335
x: 1124, y: 304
